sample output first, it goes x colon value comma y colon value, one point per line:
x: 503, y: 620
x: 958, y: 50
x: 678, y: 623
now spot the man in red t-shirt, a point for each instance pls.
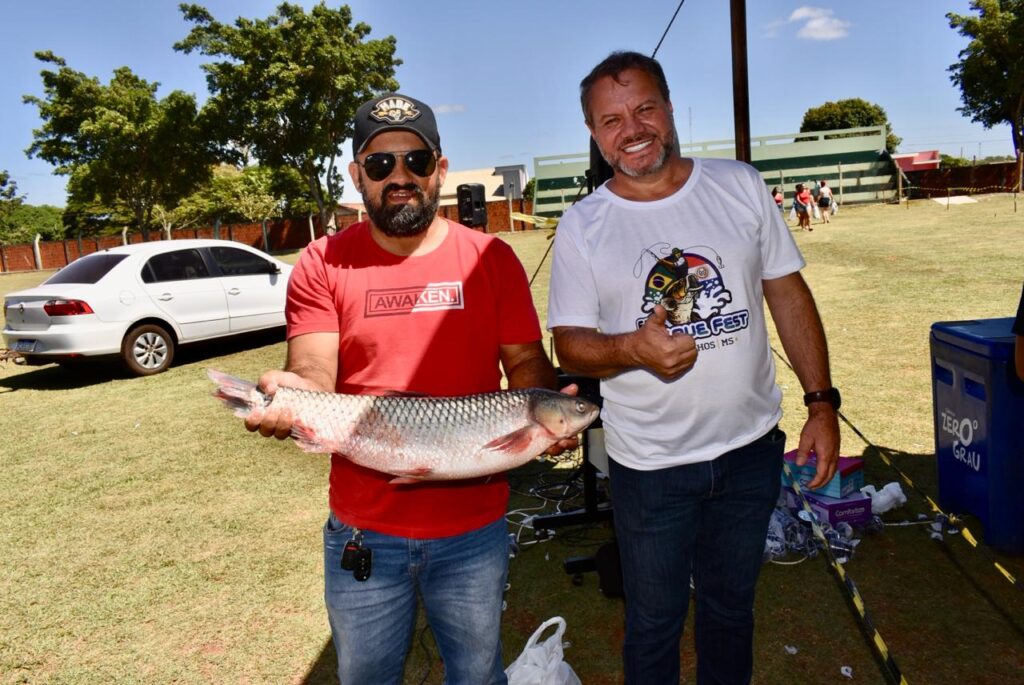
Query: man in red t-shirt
x: 409, y: 301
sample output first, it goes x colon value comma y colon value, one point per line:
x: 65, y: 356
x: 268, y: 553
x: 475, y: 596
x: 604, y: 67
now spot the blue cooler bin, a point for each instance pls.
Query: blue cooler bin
x: 978, y: 406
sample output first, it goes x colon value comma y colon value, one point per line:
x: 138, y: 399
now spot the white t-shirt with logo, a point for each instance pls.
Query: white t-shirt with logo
x: 702, y: 253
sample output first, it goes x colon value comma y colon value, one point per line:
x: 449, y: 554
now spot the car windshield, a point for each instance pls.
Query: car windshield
x: 88, y: 269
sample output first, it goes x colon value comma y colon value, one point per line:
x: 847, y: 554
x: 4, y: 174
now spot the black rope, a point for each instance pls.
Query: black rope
x: 653, y: 54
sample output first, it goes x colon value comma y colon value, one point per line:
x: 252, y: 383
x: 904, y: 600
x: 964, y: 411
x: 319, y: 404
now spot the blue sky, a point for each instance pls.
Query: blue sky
x: 504, y: 77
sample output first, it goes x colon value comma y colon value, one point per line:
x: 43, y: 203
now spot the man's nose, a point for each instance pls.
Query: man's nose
x: 401, y: 174
x: 631, y: 126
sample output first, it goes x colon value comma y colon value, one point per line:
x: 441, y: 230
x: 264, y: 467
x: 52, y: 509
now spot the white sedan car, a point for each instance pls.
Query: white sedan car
x: 141, y: 301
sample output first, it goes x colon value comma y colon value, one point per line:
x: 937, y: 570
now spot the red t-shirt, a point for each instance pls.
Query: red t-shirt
x: 430, y: 324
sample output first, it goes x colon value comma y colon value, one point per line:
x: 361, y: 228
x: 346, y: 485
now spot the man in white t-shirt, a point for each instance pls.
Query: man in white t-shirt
x: 657, y: 288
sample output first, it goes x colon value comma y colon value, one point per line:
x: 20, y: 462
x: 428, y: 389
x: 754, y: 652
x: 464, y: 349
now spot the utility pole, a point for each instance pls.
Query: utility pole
x: 740, y: 92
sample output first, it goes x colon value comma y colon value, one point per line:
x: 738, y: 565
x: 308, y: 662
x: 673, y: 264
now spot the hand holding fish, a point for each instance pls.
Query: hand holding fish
x: 414, y: 438
x: 572, y: 442
x: 275, y: 420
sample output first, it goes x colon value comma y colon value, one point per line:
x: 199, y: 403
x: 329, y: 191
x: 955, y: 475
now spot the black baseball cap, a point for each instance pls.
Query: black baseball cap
x: 394, y: 112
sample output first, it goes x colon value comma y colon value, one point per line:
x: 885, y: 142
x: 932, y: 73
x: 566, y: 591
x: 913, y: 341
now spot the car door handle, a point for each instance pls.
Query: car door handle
x: 165, y: 297
x: 234, y: 291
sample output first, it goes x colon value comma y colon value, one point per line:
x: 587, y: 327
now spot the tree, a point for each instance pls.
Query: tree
x: 254, y: 197
x: 529, y: 189
x: 125, y: 149
x: 10, y: 201
x: 949, y: 161
x: 288, y: 86
x: 850, y: 113
x: 86, y: 214
x: 31, y: 220
x: 990, y: 73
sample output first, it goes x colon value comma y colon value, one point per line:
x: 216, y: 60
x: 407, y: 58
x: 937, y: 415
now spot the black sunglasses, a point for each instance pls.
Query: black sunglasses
x: 379, y: 165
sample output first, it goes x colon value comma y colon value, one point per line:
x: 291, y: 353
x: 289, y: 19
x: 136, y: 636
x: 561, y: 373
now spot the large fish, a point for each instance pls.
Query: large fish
x: 421, y: 438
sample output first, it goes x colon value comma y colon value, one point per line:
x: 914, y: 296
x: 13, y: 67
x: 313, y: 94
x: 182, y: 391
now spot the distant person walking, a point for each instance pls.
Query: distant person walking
x: 802, y: 204
x: 777, y: 196
x: 825, y: 201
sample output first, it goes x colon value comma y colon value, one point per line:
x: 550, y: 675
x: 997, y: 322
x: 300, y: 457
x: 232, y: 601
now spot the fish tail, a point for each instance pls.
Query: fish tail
x: 240, y: 395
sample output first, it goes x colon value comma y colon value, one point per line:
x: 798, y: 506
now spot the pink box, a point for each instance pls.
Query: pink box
x: 849, y: 477
x: 855, y: 509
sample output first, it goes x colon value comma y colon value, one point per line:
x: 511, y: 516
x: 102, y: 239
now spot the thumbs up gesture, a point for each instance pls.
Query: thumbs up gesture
x: 655, y: 348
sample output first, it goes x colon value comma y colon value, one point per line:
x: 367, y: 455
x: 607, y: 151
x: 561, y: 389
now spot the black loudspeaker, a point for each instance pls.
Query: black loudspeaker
x: 599, y: 171
x: 472, y: 206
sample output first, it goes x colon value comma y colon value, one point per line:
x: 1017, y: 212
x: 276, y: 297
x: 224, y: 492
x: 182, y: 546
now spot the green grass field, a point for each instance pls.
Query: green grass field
x: 147, y: 538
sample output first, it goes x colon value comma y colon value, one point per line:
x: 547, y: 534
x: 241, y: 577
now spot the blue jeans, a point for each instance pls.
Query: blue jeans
x: 461, y: 580
x: 707, y: 519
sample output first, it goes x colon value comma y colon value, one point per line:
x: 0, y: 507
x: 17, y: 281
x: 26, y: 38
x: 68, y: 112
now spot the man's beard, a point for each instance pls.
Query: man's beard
x: 671, y: 143
x: 404, y: 220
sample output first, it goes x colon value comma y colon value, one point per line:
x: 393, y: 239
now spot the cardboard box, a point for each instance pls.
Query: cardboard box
x: 854, y: 509
x: 849, y: 477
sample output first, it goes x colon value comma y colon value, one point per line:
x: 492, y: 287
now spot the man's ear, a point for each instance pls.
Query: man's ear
x: 353, y: 172
x: 442, y: 169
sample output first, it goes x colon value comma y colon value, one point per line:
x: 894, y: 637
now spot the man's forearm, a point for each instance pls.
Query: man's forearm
x: 588, y: 352
x: 314, y: 357
x: 800, y: 330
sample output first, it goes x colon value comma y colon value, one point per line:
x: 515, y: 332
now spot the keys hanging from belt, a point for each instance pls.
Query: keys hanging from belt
x: 356, y: 557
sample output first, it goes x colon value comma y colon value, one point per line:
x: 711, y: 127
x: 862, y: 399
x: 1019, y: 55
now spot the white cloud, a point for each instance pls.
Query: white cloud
x: 802, y: 13
x: 771, y: 30
x: 448, y: 109
x: 816, y: 24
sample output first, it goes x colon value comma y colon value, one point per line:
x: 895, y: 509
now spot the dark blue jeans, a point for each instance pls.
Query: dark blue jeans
x: 709, y: 520
x: 461, y: 580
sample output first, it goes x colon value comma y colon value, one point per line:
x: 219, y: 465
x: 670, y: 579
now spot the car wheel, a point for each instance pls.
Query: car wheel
x: 147, y: 349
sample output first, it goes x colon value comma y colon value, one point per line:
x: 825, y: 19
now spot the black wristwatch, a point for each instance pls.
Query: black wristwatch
x: 831, y: 396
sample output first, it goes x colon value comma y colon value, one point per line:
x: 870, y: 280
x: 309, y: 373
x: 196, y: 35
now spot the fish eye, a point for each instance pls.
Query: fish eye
x: 581, y: 406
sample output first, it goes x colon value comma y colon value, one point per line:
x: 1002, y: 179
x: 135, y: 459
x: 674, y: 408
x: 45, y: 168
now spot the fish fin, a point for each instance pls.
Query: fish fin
x: 235, y: 392
x: 307, y: 439
x: 400, y: 393
x: 408, y: 476
x: 405, y: 480
x: 516, y: 441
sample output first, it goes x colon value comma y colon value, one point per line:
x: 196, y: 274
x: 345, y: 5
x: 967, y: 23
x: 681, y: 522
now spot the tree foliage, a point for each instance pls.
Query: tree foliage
x: 949, y: 161
x: 86, y: 214
x: 231, y: 195
x: 288, y: 86
x: 125, y: 150
x: 26, y: 221
x: 529, y: 189
x: 990, y: 73
x: 849, y: 113
x: 21, y: 222
x: 9, y: 202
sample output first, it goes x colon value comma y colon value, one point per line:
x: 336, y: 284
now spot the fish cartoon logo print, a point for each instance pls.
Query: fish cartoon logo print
x: 691, y: 289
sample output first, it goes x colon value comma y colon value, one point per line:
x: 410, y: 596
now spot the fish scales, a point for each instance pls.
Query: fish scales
x: 411, y: 429
x: 422, y: 438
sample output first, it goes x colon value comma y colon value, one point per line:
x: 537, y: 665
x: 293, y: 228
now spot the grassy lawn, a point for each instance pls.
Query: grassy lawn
x: 147, y: 538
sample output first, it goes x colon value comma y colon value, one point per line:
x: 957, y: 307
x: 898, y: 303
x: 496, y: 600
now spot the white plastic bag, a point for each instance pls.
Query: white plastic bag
x: 834, y: 208
x: 814, y: 206
x: 792, y: 213
x: 889, y: 497
x: 542, y: 663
